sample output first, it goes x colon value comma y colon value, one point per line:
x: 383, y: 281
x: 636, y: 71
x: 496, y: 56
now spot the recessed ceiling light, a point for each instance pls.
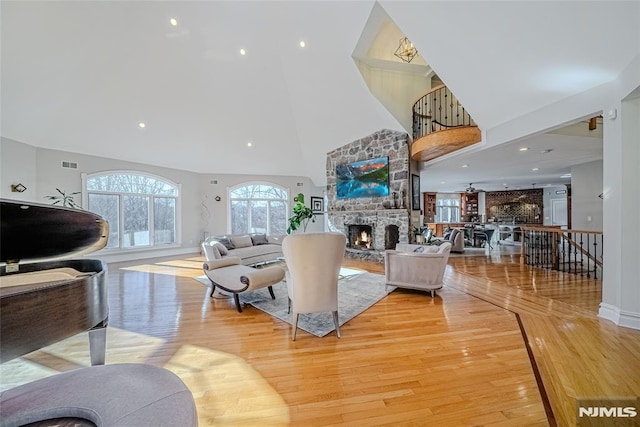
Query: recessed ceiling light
x: 142, y: 125
x: 243, y: 52
x: 524, y: 148
x: 442, y: 182
x: 173, y: 21
x: 465, y: 166
x: 534, y: 169
x: 249, y: 144
x: 302, y: 43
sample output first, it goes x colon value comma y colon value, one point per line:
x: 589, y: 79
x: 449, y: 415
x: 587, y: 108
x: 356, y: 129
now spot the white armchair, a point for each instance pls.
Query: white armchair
x: 417, y: 267
x: 313, y: 263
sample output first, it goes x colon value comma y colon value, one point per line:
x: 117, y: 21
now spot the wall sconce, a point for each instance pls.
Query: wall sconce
x: 601, y: 195
x: 18, y: 188
x: 406, y: 50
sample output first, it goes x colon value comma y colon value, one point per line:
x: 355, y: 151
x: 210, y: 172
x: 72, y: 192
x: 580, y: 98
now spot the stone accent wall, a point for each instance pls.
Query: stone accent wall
x: 378, y: 220
x: 384, y: 143
x: 372, y: 210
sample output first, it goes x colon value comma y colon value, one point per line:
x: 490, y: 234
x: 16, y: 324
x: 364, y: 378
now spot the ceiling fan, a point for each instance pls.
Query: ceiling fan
x: 471, y: 189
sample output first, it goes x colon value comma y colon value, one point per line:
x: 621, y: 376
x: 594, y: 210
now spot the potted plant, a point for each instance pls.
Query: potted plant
x: 64, y: 199
x: 301, y: 215
x: 423, y: 235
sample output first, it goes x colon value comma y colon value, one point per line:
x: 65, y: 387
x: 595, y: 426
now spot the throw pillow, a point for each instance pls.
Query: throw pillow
x: 221, y: 248
x: 226, y: 242
x: 259, y: 239
x: 242, y: 241
x: 419, y: 249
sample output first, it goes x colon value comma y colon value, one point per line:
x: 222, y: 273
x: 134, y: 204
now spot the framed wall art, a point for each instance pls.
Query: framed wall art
x: 415, y: 192
x: 317, y: 204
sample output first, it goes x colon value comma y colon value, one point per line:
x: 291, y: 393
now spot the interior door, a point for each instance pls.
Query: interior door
x: 559, y: 212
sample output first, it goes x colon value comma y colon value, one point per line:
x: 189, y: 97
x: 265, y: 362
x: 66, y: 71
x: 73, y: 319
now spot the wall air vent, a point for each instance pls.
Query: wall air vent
x: 69, y: 165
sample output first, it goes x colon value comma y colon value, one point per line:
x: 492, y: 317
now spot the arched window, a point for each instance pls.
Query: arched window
x: 142, y: 209
x: 258, y: 208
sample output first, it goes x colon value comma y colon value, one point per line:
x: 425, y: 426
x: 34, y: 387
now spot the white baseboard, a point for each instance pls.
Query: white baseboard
x: 143, y: 254
x: 627, y: 319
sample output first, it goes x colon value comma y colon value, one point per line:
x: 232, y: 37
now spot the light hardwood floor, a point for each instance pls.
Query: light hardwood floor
x: 458, y: 359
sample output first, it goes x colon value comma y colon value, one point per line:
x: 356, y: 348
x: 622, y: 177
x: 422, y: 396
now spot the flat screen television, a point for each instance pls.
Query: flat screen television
x: 366, y: 178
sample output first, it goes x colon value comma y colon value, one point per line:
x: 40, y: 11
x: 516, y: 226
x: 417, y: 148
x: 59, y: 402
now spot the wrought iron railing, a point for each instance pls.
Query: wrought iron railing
x: 573, y: 251
x: 438, y: 110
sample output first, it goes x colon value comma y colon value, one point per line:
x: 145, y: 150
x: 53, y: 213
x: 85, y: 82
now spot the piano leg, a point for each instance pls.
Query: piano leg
x: 98, y: 345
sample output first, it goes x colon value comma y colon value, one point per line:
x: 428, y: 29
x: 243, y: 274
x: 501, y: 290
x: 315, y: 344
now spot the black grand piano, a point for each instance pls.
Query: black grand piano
x: 46, y: 297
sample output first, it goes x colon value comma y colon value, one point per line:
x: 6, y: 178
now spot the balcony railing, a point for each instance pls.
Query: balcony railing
x: 573, y: 251
x: 438, y: 110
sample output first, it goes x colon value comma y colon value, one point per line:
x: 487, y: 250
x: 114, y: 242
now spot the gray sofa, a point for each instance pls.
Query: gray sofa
x: 252, y: 249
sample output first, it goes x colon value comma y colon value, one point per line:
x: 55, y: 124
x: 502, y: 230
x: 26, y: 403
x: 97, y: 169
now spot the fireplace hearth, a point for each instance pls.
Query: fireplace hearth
x: 360, y: 236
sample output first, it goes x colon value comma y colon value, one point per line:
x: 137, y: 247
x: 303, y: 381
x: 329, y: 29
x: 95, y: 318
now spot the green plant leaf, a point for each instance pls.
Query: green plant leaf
x: 301, y: 215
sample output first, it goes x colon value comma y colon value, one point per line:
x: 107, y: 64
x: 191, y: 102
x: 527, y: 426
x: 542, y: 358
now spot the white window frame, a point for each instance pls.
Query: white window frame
x: 265, y: 183
x: 452, y: 204
x: 178, y: 219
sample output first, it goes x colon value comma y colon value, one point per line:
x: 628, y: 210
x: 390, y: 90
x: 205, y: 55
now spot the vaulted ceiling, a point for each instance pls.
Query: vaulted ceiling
x: 81, y: 76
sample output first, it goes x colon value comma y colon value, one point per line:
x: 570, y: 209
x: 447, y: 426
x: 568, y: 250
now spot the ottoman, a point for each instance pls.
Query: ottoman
x: 124, y: 395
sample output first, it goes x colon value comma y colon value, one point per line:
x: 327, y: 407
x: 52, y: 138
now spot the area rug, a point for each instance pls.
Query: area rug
x: 357, y: 291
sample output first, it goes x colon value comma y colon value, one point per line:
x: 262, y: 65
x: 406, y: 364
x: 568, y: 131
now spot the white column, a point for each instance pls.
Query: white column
x: 621, y: 280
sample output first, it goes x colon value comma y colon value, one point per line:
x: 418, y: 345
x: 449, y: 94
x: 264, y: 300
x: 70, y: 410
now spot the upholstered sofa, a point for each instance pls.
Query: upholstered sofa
x: 252, y: 249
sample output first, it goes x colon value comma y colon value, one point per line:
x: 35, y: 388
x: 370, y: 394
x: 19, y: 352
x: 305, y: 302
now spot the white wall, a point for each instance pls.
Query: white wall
x: 396, y: 90
x: 18, y: 166
x: 629, y: 308
x: 586, y: 206
x: 51, y: 175
x: 213, y: 214
x: 395, y: 84
x: 40, y: 170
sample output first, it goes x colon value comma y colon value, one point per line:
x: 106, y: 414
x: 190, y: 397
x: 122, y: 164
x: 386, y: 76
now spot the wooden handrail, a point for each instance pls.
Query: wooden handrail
x: 440, y: 107
x: 582, y: 251
x: 545, y: 246
x: 551, y: 228
x: 433, y: 89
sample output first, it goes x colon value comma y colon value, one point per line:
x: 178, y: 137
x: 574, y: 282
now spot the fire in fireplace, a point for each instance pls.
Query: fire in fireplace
x: 360, y: 237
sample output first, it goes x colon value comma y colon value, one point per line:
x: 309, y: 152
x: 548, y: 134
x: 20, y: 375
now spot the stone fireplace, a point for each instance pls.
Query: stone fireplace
x: 386, y: 219
x: 360, y: 236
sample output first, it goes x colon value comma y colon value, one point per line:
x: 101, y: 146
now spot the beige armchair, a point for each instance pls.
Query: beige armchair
x: 313, y: 263
x: 417, y: 267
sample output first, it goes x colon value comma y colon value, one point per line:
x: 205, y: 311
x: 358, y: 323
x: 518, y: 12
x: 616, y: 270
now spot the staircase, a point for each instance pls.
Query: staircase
x: 573, y: 251
x: 441, y: 125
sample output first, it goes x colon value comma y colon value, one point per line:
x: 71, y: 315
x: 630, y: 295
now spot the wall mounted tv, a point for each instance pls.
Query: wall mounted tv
x: 366, y: 178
